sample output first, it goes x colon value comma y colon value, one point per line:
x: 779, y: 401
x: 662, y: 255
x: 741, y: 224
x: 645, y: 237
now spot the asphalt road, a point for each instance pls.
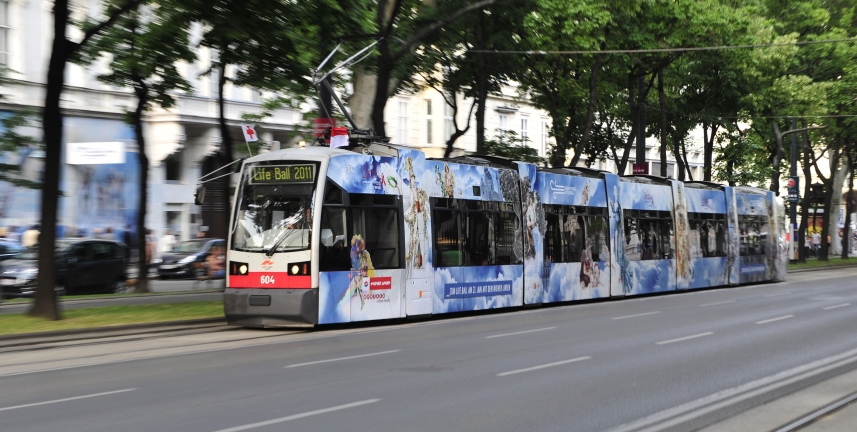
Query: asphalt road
x: 587, y: 367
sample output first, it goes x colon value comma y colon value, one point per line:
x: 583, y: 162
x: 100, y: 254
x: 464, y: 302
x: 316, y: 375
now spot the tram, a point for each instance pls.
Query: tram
x: 324, y: 235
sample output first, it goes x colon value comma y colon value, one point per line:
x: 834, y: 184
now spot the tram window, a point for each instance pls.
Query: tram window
x: 476, y: 226
x: 753, y: 231
x: 473, y: 233
x: 334, y: 246
x: 379, y: 228
x: 648, y: 235
x: 707, y: 235
x: 333, y: 193
x: 505, y: 224
x: 448, y: 246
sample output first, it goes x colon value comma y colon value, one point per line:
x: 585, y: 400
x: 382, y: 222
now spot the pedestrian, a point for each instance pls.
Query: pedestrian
x: 126, y: 238
x: 816, y: 243
x: 150, y: 248
x: 31, y: 236
x: 807, y: 243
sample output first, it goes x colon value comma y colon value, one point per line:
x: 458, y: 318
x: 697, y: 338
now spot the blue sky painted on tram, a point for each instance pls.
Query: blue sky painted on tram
x: 456, y: 277
x: 365, y: 174
x: 652, y: 276
x: 708, y: 272
x: 457, y: 181
x: 705, y: 200
x: 564, y: 283
x: 571, y: 190
x: 642, y: 196
x: 751, y: 204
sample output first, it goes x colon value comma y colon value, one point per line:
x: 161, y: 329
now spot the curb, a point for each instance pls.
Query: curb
x: 126, y: 330
x: 833, y: 267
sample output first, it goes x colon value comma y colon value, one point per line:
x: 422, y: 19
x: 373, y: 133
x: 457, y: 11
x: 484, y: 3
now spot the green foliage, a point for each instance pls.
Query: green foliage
x: 508, y: 144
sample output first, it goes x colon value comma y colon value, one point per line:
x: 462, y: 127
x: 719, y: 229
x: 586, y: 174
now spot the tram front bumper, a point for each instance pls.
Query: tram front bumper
x: 271, y: 307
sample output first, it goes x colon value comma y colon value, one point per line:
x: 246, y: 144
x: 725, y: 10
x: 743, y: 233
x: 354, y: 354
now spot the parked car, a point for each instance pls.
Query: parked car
x: 82, y: 266
x: 187, y: 258
x: 9, y: 249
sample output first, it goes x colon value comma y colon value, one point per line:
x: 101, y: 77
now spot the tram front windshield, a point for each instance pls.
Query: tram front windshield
x: 273, y: 217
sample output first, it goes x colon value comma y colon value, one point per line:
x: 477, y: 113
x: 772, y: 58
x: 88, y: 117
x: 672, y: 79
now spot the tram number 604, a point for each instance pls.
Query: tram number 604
x: 267, y: 280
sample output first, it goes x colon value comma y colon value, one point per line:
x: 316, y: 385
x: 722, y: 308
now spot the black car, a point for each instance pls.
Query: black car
x: 187, y: 258
x: 82, y: 265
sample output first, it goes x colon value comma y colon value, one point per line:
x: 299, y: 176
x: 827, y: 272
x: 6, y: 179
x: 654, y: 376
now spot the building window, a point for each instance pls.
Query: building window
x: 4, y: 32
x: 173, y: 168
x: 504, y: 121
x: 545, y: 136
x: 428, y: 122
x: 525, y: 125
x: 403, y: 122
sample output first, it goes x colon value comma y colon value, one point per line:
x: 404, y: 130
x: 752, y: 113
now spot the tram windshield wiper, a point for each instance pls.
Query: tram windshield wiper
x: 273, y: 249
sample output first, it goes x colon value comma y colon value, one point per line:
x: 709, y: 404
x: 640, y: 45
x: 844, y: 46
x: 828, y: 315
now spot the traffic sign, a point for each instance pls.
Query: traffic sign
x: 794, y: 188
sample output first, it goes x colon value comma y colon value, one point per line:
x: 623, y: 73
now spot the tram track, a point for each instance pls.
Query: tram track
x: 814, y: 416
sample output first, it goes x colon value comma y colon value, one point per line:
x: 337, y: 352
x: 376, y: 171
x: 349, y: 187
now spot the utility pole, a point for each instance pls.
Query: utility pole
x: 793, y: 174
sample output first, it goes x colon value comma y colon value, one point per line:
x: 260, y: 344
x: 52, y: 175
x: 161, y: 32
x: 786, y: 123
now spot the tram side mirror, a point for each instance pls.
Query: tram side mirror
x: 199, y: 196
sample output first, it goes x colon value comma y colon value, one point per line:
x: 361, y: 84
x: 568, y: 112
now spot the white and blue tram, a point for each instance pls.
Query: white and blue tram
x: 322, y: 236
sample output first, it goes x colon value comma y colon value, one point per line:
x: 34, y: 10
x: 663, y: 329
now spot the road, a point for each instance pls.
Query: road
x: 587, y: 367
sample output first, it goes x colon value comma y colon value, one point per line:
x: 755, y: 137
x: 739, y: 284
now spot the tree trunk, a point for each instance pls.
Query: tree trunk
x: 382, y: 89
x: 142, y: 284
x: 680, y: 163
x: 225, y: 157
x: 458, y: 132
x: 777, y: 157
x: 849, y: 208
x: 45, y: 302
x: 590, y: 110
x: 481, y: 85
x: 662, y: 100
x: 707, y: 151
x: 622, y: 164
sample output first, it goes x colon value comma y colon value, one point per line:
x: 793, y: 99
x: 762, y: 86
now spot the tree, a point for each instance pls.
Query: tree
x: 264, y: 44
x: 400, y: 25
x: 145, y: 46
x: 62, y: 49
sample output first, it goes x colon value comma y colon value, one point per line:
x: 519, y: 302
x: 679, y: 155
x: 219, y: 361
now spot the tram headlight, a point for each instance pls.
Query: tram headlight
x: 238, y: 268
x: 299, y: 269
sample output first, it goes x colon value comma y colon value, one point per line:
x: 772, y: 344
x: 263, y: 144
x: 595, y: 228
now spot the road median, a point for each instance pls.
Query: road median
x: 107, y: 318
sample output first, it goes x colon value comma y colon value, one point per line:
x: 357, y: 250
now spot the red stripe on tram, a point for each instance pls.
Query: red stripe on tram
x: 273, y: 280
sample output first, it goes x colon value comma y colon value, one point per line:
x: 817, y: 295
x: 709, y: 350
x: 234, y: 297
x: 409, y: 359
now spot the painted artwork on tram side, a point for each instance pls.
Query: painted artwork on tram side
x: 417, y: 214
x: 649, y: 237
x: 753, y: 234
x: 352, y: 296
x: 474, y: 269
x: 621, y: 279
x: 365, y: 174
x: 566, y: 247
x: 708, y: 239
x: 681, y: 242
x: 459, y: 289
x: 733, y: 242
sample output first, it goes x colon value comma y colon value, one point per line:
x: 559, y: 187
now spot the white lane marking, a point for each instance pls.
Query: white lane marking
x: 837, y: 306
x: 777, y: 294
x: 341, y: 358
x: 299, y: 416
x: 520, y: 332
x: 67, y: 399
x: 529, y: 369
x: 684, y: 338
x: 718, y: 303
x: 637, y: 315
x: 775, y: 319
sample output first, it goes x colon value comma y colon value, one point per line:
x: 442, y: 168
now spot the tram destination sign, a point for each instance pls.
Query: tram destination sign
x: 264, y: 174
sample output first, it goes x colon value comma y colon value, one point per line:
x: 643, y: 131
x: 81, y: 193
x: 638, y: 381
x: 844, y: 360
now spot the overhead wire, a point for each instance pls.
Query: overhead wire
x: 662, y: 50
